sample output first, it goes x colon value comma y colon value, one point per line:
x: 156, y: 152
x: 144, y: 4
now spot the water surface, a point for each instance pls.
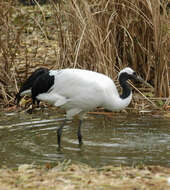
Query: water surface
x: 121, y: 139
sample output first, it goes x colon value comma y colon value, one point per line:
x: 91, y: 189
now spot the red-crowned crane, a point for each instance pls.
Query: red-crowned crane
x: 78, y: 91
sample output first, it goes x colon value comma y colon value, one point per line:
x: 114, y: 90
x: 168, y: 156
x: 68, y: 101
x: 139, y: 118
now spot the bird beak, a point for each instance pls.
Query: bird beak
x: 140, y: 79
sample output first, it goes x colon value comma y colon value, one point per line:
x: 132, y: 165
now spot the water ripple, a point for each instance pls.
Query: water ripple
x: 115, y: 141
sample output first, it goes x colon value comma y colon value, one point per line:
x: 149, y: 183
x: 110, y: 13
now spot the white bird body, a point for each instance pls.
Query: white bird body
x: 79, y: 91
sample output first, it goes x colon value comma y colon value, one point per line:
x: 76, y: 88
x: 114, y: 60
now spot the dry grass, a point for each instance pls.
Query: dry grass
x: 104, y: 36
x: 109, y: 35
x: 24, y: 45
x: 79, y: 176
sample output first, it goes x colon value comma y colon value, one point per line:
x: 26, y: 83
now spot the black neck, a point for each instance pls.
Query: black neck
x: 125, y: 86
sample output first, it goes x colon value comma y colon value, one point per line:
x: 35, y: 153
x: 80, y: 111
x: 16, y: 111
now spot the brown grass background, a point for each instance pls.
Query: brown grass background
x: 100, y: 35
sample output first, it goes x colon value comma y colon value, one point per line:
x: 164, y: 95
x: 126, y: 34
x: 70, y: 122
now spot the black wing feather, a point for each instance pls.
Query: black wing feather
x: 42, y: 84
x: 29, y: 82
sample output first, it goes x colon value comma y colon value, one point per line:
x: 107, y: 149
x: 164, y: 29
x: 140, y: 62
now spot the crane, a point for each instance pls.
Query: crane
x: 78, y: 91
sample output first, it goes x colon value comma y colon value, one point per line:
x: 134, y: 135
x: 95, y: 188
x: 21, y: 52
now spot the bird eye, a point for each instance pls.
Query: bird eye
x: 134, y: 73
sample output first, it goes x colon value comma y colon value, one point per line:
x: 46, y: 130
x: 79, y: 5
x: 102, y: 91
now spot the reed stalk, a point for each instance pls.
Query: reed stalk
x: 108, y: 35
x: 99, y: 35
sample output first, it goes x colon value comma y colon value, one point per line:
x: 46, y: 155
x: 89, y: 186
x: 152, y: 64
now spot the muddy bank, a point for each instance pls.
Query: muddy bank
x: 67, y: 175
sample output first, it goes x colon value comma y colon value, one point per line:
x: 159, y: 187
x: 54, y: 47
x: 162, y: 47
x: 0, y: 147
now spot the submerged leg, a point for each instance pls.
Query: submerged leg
x: 79, y: 132
x: 59, y: 133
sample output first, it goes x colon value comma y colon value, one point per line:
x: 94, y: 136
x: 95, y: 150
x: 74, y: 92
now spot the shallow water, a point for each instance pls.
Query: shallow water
x: 121, y: 139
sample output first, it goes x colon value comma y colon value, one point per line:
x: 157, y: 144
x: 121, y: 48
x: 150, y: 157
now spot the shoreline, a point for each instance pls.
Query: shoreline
x: 68, y: 175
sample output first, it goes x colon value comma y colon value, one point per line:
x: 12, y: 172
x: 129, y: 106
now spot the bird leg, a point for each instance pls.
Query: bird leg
x: 59, y: 133
x: 79, y: 132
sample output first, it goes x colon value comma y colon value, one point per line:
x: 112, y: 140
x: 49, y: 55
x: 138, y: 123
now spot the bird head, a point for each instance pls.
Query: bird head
x: 128, y: 74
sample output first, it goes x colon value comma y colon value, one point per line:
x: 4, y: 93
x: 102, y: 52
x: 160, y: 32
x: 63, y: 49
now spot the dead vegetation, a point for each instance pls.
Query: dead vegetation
x: 80, y: 176
x: 104, y: 36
